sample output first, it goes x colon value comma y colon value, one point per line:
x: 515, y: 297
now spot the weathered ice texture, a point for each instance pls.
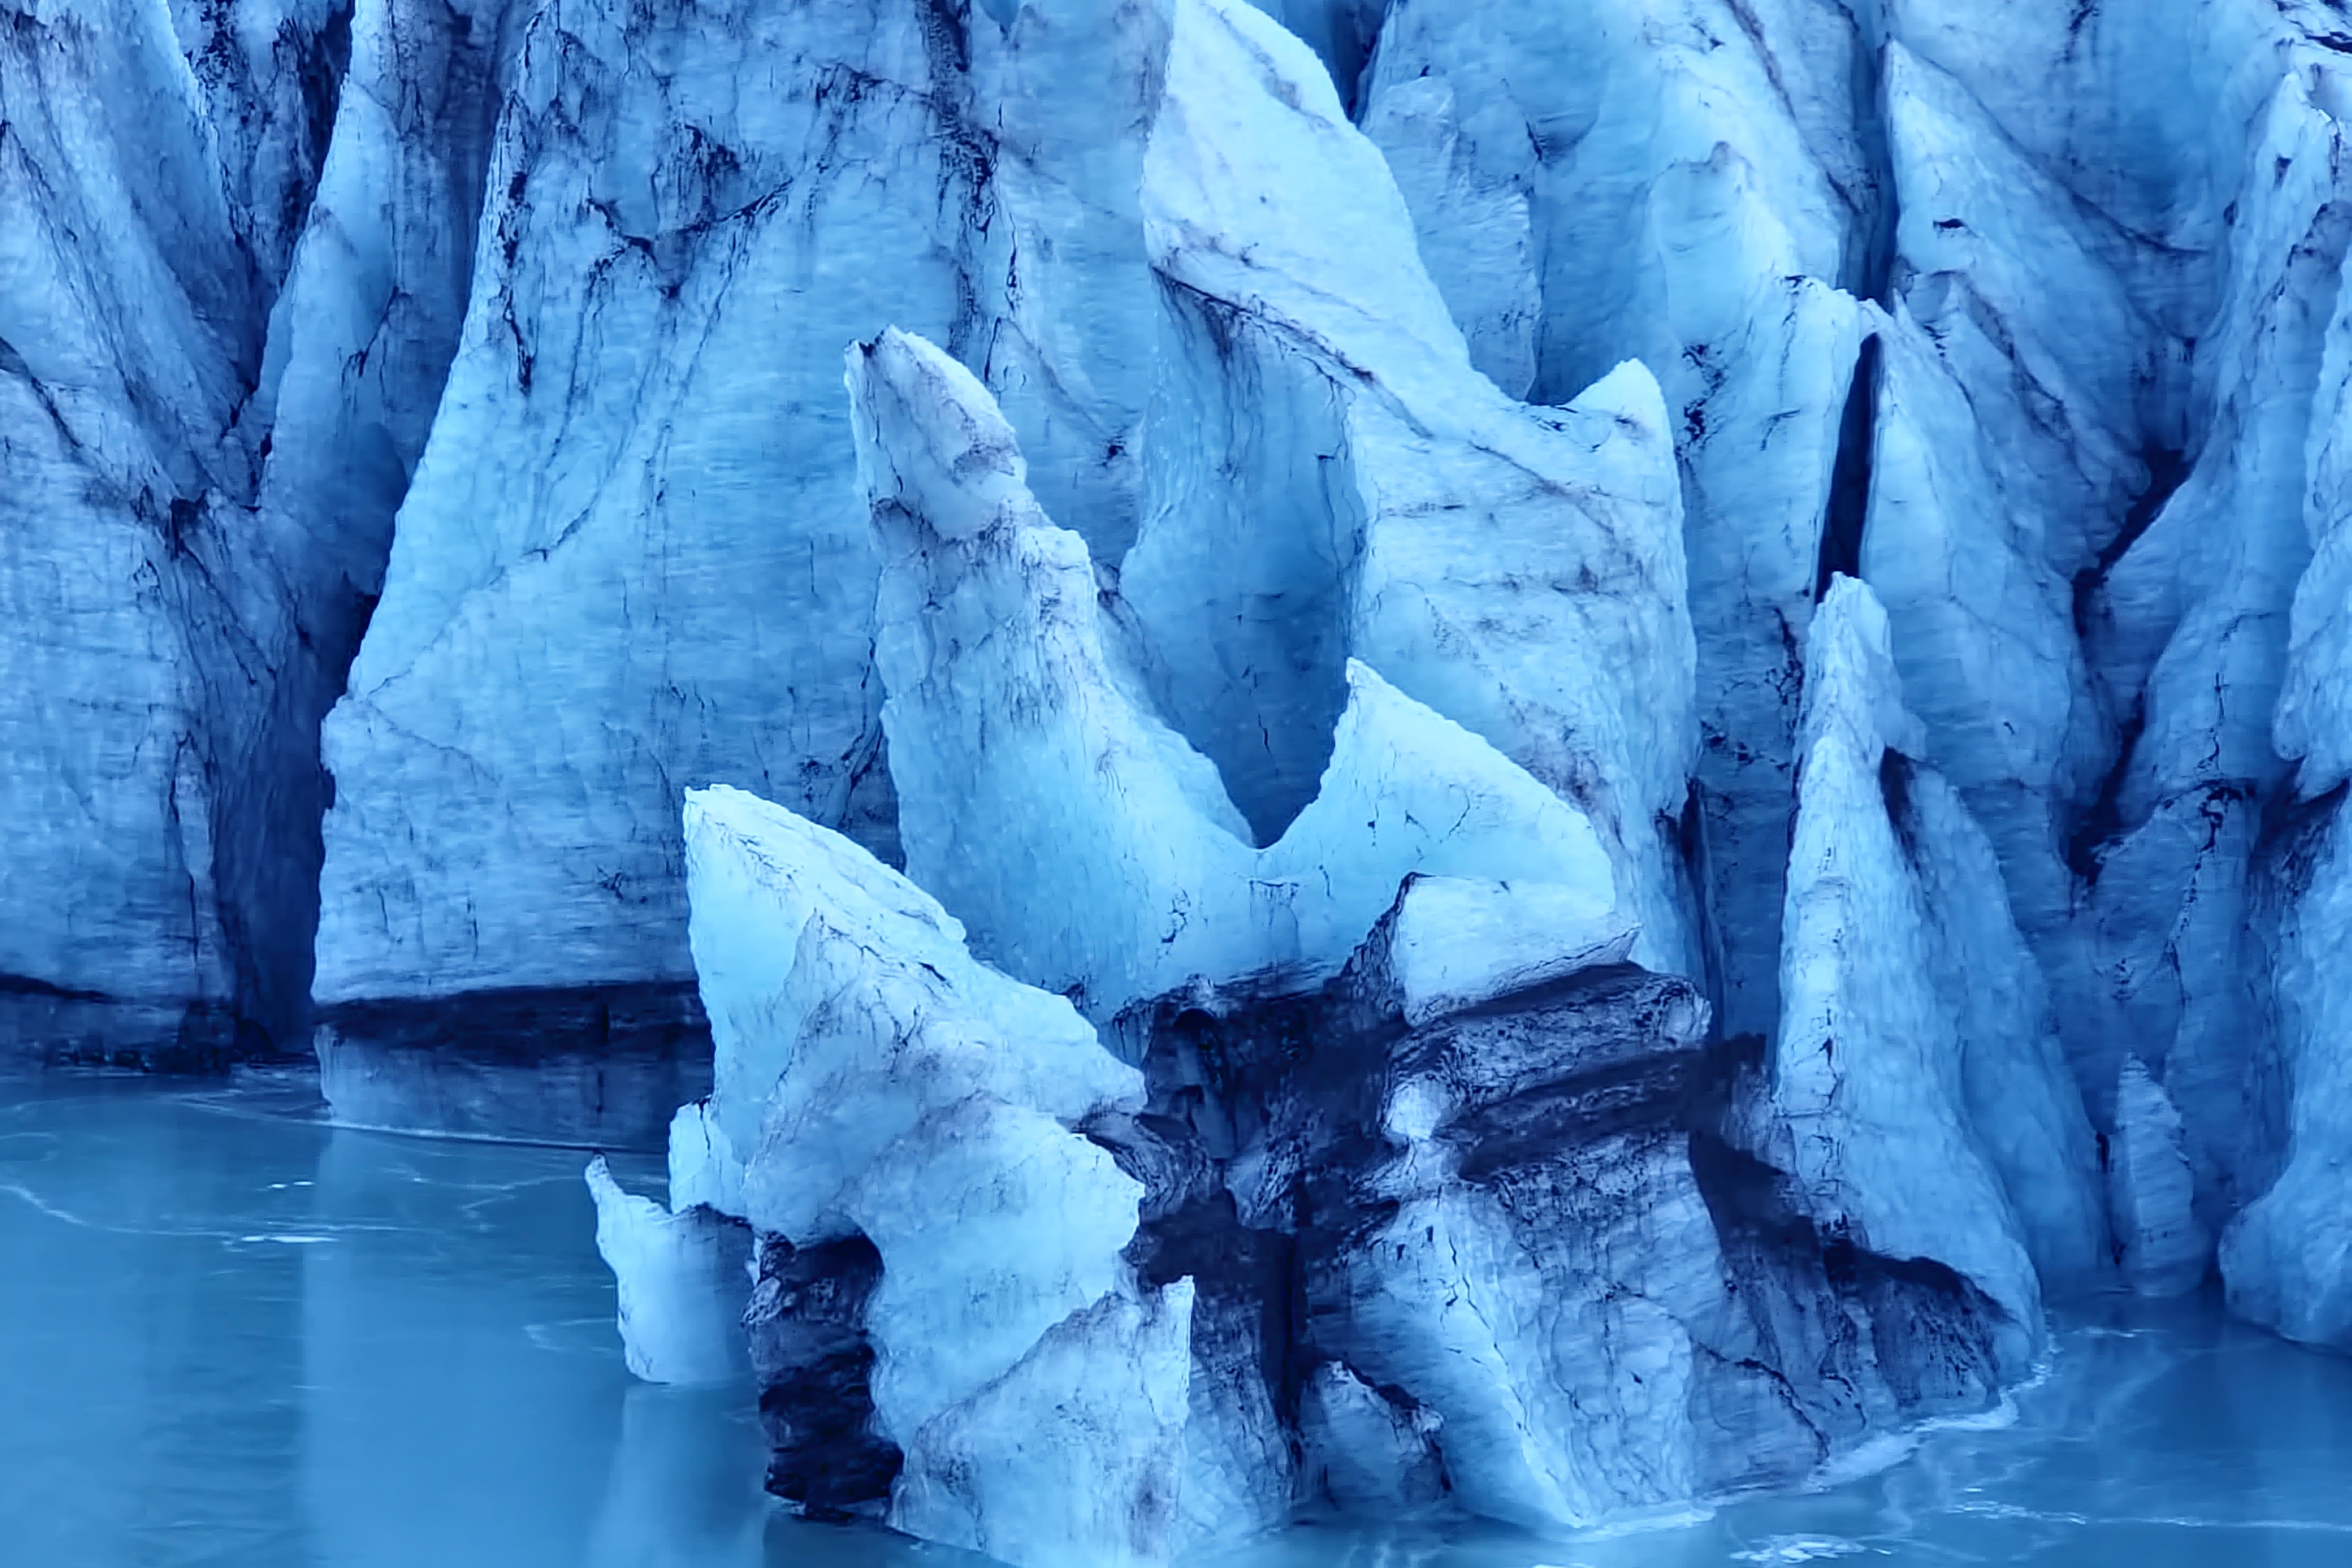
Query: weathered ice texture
x: 874, y: 1082
x: 1678, y: 181
x: 1096, y: 853
x: 636, y: 493
x: 153, y: 629
x: 268, y: 73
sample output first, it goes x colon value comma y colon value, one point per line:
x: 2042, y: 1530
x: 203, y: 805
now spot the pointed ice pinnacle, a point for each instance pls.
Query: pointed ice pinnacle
x: 1093, y: 852
x: 1677, y: 183
x: 1919, y: 1092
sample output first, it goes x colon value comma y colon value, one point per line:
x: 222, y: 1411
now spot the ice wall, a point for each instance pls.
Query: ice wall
x: 1094, y: 852
x: 158, y: 632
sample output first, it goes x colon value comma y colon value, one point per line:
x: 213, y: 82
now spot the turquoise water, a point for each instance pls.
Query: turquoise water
x: 233, y: 1335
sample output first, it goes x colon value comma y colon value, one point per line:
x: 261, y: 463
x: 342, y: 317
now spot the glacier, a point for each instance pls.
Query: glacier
x: 1565, y: 1255
x: 1322, y: 754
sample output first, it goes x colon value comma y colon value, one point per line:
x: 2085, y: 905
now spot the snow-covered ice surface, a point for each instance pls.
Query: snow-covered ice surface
x: 382, y: 1351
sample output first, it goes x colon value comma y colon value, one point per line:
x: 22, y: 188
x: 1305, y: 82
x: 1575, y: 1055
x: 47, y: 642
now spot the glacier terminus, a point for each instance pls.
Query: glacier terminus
x: 1241, y: 767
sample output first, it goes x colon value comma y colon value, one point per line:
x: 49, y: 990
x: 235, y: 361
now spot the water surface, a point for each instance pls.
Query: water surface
x: 231, y: 1335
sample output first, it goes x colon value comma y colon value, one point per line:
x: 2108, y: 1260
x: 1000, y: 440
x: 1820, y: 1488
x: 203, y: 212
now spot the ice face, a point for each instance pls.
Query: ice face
x: 874, y: 1082
x: 1347, y: 556
x: 1909, y: 1037
x: 749, y: 220
x: 1092, y: 850
x: 152, y: 638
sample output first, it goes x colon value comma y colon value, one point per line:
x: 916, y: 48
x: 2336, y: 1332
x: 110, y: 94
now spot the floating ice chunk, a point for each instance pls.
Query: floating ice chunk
x: 684, y: 1279
x: 844, y: 1010
x: 874, y: 1081
x: 1800, y: 1549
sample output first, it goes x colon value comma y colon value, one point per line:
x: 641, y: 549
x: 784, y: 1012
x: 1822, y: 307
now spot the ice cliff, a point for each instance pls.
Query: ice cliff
x: 1575, y: 737
x: 1388, y: 1178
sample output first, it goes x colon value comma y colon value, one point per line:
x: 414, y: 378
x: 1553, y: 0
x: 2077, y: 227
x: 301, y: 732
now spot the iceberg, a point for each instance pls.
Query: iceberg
x: 998, y: 1264
x: 1515, y: 758
x: 877, y: 1086
x: 684, y: 1279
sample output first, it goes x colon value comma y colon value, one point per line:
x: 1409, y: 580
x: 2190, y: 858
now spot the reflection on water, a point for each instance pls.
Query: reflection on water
x: 231, y: 1335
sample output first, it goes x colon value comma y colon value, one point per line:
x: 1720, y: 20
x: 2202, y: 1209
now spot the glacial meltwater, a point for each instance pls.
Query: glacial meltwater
x: 233, y: 1334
